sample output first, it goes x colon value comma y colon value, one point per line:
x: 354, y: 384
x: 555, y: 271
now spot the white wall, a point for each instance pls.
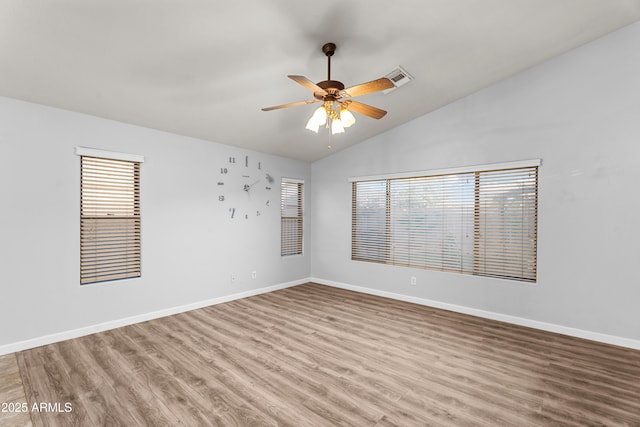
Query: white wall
x: 189, y: 245
x: 579, y: 113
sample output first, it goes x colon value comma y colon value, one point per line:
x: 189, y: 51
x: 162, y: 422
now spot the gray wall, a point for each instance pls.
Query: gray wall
x: 579, y: 113
x: 189, y: 245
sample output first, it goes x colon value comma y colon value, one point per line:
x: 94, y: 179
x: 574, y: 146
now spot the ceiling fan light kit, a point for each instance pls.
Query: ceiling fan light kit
x: 335, y: 111
x: 331, y: 114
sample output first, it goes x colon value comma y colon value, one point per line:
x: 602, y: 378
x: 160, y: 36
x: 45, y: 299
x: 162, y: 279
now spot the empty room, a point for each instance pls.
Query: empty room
x: 339, y: 213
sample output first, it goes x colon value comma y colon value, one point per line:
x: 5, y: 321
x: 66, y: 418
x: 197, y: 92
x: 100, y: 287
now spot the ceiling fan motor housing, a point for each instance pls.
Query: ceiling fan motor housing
x: 332, y: 87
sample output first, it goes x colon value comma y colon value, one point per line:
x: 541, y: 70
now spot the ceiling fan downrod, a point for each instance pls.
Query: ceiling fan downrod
x: 329, y: 49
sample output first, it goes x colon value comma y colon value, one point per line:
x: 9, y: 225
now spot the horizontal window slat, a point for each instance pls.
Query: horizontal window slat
x: 104, y: 278
x: 90, y: 277
x: 104, y: 250
x: 89, y: 250
x: 291, y: 212
x: 120, y: 271
x: 99, y: 263
x: 106, y: 267
x: 449, y: 222
x: 99, y: 260
x: 110, y: 219
x: 88, y: 228
x: 133, y: 236
x: 108, y: 168
x: 93, y: 238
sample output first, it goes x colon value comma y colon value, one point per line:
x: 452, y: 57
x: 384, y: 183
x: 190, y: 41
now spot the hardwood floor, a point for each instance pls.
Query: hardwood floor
x: 12, y: 398
x: 318, y: 356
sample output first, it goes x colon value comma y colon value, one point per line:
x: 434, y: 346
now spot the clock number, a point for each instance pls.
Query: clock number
x: 232, y: 161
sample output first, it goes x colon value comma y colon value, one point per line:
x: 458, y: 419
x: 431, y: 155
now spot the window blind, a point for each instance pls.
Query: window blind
x: 109, y: 219
x: 482, y: 223
x: 291, y: 208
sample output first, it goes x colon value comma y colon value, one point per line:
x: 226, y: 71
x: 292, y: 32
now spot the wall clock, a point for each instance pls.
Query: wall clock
x: 245, y: 188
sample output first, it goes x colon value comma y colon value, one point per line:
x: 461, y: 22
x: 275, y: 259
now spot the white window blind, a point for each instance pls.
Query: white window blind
x: 291, y: 208
x: 482, y: 223
x: 109, y: 219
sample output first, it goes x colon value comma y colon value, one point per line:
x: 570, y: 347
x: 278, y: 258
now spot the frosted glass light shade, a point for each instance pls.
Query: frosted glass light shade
x: 336, y: 127
x: 347, y: 118
x: 320, y: 116
x: 312, y: 125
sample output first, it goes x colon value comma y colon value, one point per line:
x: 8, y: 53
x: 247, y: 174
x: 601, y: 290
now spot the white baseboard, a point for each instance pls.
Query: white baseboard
x: 550, y: 327
x: 88, y: 330
x: 92, y: 329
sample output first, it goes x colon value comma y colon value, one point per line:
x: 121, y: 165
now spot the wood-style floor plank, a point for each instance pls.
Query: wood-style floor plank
x: 313, y: 355
x: 12, y: 398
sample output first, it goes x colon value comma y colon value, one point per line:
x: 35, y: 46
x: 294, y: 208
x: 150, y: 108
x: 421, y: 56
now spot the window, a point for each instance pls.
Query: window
x: 481, y: 222
x: 292, y: 210
x: 109, y: 218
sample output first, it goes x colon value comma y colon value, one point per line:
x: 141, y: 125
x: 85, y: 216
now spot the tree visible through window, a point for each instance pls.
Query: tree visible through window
x: 482, y: 223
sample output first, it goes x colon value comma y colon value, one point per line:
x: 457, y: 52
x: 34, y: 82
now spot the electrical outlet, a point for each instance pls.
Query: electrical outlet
x: 254, y: 274
x: 233, y: 277
x: 413, y: 280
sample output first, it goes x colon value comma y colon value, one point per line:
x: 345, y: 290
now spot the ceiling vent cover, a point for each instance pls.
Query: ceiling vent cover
x: 399, y: 77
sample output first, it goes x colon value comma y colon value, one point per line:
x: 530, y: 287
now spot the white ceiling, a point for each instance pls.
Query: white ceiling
x: 205, y: 68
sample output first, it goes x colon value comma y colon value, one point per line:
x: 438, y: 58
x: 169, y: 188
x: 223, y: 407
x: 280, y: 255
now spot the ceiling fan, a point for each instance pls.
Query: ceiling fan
x: 336, y: 102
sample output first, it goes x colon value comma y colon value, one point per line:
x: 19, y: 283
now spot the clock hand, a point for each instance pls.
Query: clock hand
x: 247, y: 187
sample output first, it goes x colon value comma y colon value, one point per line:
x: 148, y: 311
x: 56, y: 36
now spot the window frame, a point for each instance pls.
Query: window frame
x: 292, y: 244
x: 109, y: 215
x: 374, y: 238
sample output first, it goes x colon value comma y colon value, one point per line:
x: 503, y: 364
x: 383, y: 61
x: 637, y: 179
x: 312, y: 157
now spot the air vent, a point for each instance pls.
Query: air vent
x: 398, y: 77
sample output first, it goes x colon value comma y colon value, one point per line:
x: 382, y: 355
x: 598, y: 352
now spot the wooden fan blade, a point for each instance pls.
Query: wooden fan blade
x: 367, y: 110
x: 302, y: 80
x: 365, y: 88
x: 291, y: 104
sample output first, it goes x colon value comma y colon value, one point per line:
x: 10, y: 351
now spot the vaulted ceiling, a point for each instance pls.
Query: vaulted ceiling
x: 206, y: 68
